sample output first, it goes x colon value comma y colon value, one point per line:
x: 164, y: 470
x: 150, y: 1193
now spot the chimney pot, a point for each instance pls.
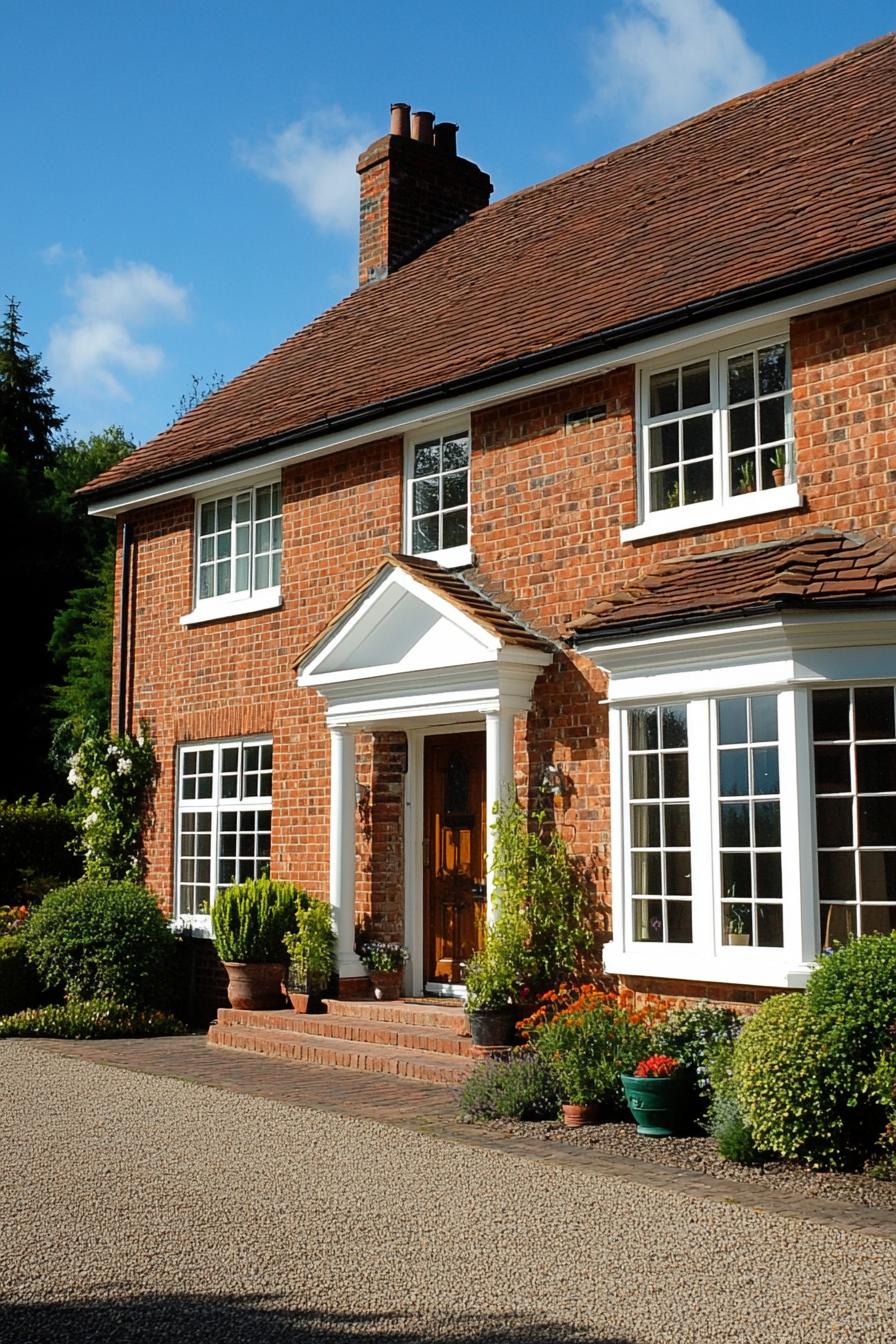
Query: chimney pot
x: 445, y: 134
x: 401, y: 119
x: 421, y: 127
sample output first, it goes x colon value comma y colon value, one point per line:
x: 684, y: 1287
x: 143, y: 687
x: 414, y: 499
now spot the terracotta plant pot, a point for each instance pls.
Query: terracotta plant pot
x: 303, y: 1002
x: 576, y: 1114
x: 778, y: 475
x: 254, y: 984
x: 386, y: 984
x: 659, y: 1106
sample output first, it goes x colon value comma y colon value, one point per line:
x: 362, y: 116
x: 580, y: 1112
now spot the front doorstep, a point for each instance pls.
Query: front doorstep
x: 409, y: 1040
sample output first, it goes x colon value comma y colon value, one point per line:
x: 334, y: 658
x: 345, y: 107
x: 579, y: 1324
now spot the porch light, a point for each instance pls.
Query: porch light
x: 554, y: 779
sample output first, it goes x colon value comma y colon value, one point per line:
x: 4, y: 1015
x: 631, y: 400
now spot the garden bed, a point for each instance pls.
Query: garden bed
x: 699, y: 1153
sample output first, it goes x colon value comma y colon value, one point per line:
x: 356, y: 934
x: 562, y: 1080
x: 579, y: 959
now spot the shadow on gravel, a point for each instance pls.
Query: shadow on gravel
x: 183, y: 1319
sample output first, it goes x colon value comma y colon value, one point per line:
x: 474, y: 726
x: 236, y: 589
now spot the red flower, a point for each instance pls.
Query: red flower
x: 657, y: 1066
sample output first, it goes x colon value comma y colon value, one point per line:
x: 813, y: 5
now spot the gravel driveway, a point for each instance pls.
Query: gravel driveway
x: 139, y: 1208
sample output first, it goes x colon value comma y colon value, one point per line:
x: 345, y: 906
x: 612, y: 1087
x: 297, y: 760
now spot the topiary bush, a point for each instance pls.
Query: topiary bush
x: 250, y: 920
x: 90, y: 1019
x: 852, y: 993
x: 19, y: 983
x: 36, y: 850
x: 106, y: 940
x: 785, y: 1066
x: 519, y: 1088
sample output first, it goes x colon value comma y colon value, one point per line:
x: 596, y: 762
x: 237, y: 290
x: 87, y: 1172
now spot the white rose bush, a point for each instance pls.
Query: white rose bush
x: 110, y: 776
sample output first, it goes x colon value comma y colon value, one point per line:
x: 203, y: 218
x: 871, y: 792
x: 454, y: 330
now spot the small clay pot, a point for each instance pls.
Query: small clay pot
x: 576, y: 1114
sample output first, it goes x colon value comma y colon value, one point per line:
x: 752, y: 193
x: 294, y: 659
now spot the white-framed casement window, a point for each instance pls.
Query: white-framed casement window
x: 854, y: 759
x: 715, y: 437
x: 437, y: 495
x: 239, y: 543
x: 223, y: 820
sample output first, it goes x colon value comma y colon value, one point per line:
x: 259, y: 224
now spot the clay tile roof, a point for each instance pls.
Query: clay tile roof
x: 812, y: 570
x: 778, y: 183
x: 452, y: 586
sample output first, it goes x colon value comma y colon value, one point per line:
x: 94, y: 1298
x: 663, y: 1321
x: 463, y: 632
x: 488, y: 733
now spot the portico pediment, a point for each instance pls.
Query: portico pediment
x: 416, y: 642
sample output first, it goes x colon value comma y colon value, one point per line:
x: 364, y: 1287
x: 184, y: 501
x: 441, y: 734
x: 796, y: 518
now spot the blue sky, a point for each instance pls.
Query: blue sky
x: 180, y: 186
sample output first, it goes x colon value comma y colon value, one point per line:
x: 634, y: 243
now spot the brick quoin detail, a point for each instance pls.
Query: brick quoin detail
x: 548, y: 503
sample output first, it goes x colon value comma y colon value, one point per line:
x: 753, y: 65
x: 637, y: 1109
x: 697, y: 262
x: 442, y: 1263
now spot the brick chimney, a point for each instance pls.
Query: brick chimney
x: 414, y: 190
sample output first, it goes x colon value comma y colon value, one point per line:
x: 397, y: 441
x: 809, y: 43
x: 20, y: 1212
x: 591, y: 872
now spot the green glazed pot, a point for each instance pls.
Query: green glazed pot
x: 660, y: 1106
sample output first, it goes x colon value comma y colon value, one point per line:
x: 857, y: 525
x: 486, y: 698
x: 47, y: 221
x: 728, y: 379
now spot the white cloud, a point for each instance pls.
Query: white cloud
x: 315, y: 160
x: 657, y: 62
x: 97, y: 342
x: 58, y: 252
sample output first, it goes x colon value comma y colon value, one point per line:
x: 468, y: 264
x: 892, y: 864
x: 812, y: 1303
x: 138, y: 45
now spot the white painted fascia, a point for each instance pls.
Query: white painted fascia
x: 782, y: 650
x: 720, y: 328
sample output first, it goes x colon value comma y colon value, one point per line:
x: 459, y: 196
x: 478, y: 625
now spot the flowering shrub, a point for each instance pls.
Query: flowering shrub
x: 90, y: 1019
x: 519, y: 1088
x: 696, y: 1036
x: 12, y: 917
x: 110, y: 776
x: 383, y: 956
x: 588, y: 1037
x: 657, y: 1066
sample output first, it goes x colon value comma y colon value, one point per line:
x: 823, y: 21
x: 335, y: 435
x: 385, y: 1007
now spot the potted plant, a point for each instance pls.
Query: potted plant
x: 745, y: 482
x: 312, y: 955
x: 659, y: 1096
x: 779, y: 464
x: 249, y: 922
x: 385, y: 966
x: 492, y: 994
x: 736, y: 931
x: 587, y: 1038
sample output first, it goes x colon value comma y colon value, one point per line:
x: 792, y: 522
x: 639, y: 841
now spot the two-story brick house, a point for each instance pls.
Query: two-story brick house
x: 585, y: 492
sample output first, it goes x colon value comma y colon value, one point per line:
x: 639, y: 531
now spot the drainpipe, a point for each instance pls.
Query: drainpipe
x: 124, y: 625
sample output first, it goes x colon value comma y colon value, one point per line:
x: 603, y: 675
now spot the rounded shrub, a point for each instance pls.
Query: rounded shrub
x: 90, y: 1020
x: 102, y: 940
x: 852, y: 991
x: 784, y: 1066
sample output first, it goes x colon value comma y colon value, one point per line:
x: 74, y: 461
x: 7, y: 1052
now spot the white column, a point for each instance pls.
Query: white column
x: 498, y: 782
x: 342, y: 850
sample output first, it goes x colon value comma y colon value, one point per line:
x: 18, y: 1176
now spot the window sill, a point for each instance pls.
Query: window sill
x: 458, y: 557
x: 221, y: 610
x: 711, y: 514
x: 762, y: 966
x: 192, y: 926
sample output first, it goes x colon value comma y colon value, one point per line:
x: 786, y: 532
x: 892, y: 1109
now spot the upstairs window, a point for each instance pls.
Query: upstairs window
x: 438, y: 497
x: 717, y: 436
x: 239, y: 544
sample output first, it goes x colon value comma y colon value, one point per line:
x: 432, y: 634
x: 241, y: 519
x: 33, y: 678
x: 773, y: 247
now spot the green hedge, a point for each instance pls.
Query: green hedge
x: 102, y: 940
x: 36, y: 850
x: 19, y: 984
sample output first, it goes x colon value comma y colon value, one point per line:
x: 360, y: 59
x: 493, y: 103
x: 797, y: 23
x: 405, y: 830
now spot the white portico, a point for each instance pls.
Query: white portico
x: 418, y: 650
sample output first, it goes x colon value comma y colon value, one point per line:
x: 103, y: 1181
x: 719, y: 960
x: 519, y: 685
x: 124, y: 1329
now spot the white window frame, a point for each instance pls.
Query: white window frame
x: 790, y: 655
x: 452, y: 557
x: 234, y: 603
x: 215, y: 805
x: 724, y: 506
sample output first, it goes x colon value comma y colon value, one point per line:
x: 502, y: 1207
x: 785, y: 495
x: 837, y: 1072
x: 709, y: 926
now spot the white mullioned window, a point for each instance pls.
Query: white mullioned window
x: 659, y: 824
x: 437, y: 496
x: 223, y: 819
x: 239, y: 544
x: 716, y: 435
x: 854, y: 758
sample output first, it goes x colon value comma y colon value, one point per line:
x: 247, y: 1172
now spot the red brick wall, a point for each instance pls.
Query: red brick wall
x: 547, y: 504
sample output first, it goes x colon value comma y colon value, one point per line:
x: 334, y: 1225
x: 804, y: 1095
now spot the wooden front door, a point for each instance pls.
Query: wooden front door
x: 453, y: 853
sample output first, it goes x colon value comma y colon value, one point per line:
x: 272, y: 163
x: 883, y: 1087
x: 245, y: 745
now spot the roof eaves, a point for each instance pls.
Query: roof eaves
x: 611, y: 631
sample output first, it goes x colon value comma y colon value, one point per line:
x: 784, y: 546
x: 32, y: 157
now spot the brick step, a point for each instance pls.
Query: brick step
x: 439, y: 1040
x: 450, y: 1016
x: 445, y: 1070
